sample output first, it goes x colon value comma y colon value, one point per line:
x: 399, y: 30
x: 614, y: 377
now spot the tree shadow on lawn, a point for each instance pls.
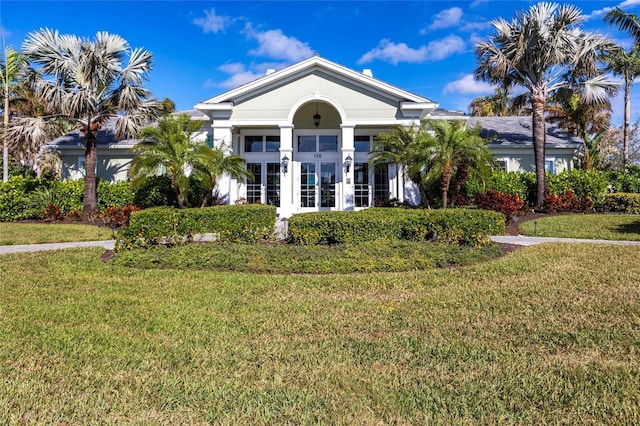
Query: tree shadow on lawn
x: 628, y: 228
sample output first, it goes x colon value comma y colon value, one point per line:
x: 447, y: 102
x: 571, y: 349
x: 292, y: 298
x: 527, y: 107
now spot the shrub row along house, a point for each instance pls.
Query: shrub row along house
x: 306, y: 132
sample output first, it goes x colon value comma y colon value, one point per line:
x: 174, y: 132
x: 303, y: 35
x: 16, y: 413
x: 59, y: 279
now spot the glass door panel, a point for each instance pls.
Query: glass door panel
x: 254, y: 187
x: 308, y: 185
x: 273, y: 184
x: 361, y: 181
x: 327, y: 184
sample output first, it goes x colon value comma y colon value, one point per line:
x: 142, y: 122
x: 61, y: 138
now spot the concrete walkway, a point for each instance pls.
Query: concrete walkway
x: 107, y: 244
x: 521, y: 240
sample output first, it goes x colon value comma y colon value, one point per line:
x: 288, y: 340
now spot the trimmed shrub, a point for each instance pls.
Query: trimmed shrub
x: 155, y: 191
x: 452, y: 226
x: 169, y: 226
x: 507, y: 204
x: 15, y: 199
x: 585, y: 184
x: 622, y: 202
x: 118, y: 194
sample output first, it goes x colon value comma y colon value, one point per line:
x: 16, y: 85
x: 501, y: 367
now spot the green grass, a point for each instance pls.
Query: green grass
x: 378, y: 256
x: 12, y: 233
x: 548, y: 335
x: 623, y: 227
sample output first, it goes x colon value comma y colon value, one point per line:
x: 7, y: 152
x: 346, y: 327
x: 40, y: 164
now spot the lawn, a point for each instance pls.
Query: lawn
x: 547, y: 334
x: 624, y: 227
x: 12, y: 233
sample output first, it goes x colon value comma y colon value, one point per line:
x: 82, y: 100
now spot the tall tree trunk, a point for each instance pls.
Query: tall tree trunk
x: 5, y: 144
x: 444, y: 185
x: 90, y: 201
x: 627, y: 120
x: 539, y: 136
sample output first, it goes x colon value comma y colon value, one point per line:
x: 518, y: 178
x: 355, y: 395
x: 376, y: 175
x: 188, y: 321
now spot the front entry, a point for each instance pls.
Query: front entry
x: 317, y: 172
x: 317, y: 185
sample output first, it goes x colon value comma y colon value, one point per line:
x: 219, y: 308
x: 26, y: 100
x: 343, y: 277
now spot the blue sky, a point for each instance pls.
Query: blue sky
x: 203, y: 48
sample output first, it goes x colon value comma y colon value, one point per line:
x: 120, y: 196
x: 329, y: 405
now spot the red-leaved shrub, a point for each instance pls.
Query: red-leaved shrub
x: 118, y: 217
x: 508, y: 204
x: 567, y: 202
x: 52, y: 212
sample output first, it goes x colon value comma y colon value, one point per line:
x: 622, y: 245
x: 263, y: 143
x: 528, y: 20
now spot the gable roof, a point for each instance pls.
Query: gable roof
x: 517, y: 132
x: 307, y: 66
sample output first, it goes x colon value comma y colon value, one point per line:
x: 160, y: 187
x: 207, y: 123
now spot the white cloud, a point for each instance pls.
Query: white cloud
x: 443, y: 48
x: 477, y: 3
x: 394, y: 53
x: 212, y: 23
x: 275, y: 45
x: 446, y: 19
x: 468, y: 85
x: 239, y: 75
x: 400, y: 52
x: 623, y: 5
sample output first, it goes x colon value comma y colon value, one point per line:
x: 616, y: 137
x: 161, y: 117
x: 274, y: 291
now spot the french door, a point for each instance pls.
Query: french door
x: 318, y: 185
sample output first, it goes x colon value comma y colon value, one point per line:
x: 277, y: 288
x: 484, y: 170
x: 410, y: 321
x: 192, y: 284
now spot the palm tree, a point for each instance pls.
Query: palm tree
x: 91, y: 82
x: 401, y: 147
x: 10, y: 66
x: 625, y: 64
x: 454, y: 149
x: 169, y: 148
x: 539, y: 50
x: 497, y: 105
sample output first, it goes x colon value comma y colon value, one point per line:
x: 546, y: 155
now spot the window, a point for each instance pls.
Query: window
x: 550, y: 166
x: 322, y: 143
x: 501, y: 164
x: 362, y: 143
x: 273, y: 143
x: 361, y: 180
x: 328, y: 143
x: 260, y: 143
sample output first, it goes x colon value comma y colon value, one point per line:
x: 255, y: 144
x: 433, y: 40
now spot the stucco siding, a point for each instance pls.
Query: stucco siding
x: 277, y: 103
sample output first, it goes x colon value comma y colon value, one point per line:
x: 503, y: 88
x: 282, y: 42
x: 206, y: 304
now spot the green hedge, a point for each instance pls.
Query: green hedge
x: 452, y: 226
x: 622, y: 202
x: 169, y: 226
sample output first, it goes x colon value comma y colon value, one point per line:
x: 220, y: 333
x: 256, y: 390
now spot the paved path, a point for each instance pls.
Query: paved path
x: 521, y: 240
x: 107, y: 244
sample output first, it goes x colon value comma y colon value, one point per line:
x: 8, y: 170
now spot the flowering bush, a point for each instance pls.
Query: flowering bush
x: 566, y: 202
x: 118, y: 216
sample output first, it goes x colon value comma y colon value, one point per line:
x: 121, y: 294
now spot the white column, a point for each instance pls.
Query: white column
x: 348, y: 193
x: 287, y: 196
x: 223, y: 138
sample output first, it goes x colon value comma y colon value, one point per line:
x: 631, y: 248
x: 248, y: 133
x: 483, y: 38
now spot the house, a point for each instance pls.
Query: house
x: 114, y: 155
x: 511, y: 143
x: 306, y: 132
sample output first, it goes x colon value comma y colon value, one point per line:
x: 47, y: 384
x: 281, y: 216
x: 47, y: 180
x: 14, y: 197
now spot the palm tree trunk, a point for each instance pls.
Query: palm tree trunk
x: 627, y: 120
x: 538, y: 125
x: 444, y: 186
x: 90, y: 201
x: 5, y: 144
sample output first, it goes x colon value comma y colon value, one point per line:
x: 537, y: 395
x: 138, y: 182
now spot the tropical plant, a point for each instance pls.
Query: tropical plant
x: 544, y: 49
x: 499, y: 104
x: 10, y: 66
x: 400, y: 146
x: 625, y: 64
x: 91, y: 82
x: 170, y: 148
x: 453, y: 150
